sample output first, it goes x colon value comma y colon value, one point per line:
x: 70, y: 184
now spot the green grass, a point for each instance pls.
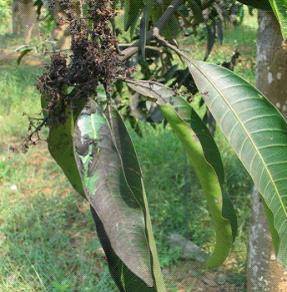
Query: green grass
x: 18, y: 98
x: 47, y: 236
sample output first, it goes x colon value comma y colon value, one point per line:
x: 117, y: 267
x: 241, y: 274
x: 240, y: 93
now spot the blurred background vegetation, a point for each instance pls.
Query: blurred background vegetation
x: 47, y: 236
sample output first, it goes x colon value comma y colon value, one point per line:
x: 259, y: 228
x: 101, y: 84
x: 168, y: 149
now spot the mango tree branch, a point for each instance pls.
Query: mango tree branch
x: 181, y: 54
x: 160, y: 24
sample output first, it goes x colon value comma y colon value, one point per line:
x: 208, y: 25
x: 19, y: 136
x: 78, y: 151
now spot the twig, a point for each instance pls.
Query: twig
x: 160, y: 24
x: 169, y: 45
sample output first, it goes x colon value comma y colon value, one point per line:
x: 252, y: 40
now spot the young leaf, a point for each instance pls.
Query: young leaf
x: 257, y: 132
x: 113, y: 184
x: 205, y: 159
x: 279, y: 7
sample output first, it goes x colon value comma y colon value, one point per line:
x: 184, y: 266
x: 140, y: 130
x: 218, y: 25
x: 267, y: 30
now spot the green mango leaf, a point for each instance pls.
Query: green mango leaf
x: 143, y: 30
x: 156, y: 91
x: 113, y: 184
x: 205, y: 159
x: 273, y: 231
x: 172, y: 28
x: 279, y: 8
x: 132, y: 9
x: 197, y: 10
x: 60, y: 145
x: 257, y: 132
x: 260, y: 4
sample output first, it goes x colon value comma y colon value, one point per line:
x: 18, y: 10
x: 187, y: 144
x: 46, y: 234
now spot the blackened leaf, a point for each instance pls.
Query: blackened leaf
x: 113, y: 185
x: 219, y: 31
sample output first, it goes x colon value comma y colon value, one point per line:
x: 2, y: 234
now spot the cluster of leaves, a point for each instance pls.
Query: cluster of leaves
x: 192, y: 18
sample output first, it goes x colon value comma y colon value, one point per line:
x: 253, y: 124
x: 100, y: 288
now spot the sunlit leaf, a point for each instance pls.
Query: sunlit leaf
x: 257, y: 132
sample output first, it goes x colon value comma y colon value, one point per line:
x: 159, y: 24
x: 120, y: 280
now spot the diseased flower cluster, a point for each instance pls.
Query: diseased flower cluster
x: 93, y: 59
x: 71, y: 78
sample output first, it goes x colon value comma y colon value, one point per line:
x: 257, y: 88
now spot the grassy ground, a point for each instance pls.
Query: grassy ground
x: 47, y: 237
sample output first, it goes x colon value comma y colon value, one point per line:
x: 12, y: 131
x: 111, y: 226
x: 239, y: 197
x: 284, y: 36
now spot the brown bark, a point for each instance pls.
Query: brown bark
x: 271, y: 61
x: 264, y: 272
x: 24, y: 18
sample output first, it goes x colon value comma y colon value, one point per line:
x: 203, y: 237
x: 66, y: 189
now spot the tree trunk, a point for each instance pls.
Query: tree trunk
x: 24, y: 18
x: 16, y: 26
x: 264, y: 272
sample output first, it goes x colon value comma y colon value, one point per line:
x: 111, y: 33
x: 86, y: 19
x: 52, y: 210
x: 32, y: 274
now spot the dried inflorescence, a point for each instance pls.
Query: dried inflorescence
x: 93, y: 59
x: 70, y: 79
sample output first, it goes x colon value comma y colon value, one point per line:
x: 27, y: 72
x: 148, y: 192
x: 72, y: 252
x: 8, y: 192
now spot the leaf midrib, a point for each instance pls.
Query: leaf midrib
x: 128, y: 185
x: 249, y: 136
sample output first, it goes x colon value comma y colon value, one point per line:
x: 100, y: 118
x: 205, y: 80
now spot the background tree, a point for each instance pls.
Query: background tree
x: 264, y: 272
x: 24, y: 19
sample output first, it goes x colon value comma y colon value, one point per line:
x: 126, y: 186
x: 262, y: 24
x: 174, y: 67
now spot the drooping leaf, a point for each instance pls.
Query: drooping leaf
x: 206, y: 162
x: 219, y: 31
x: 196, y: 8
x: 143, y: 31
x: 172, y: 27
x: 279, y: 7
x: 23, y: 53
x: 132, y: 12
x: 144, y: 24
x: 204, y: 157
x: 113, y: 184
x: 60, y: 145
x: 257, y: 132
x: 211, y: 35
x: 261, y: 4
